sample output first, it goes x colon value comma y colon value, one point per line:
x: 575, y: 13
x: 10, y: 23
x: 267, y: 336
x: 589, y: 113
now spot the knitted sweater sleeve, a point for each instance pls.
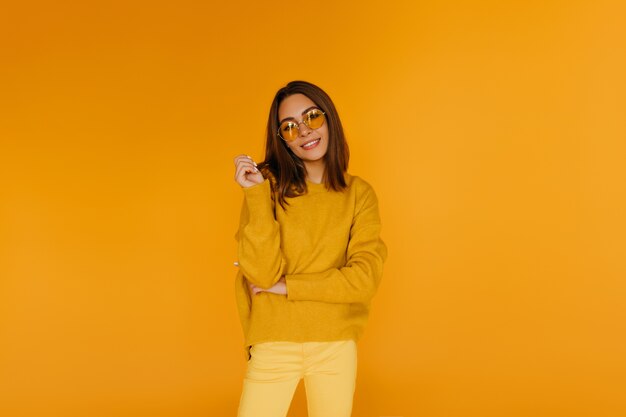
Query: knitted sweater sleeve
x: 358, y: 280
x: 258, y: 238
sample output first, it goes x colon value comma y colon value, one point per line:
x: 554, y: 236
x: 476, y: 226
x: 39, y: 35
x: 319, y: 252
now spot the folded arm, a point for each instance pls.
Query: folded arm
x: 358, y: 280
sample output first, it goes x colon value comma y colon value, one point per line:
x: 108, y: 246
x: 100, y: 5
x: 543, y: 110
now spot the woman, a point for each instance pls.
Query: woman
x: 310, y: 259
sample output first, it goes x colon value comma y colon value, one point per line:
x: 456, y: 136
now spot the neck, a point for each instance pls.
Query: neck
x: 315, y: 170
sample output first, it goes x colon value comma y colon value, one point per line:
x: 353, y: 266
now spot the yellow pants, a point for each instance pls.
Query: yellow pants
x: 275, y: 369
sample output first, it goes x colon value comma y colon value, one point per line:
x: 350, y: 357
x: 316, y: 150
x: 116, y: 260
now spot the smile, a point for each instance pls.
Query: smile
x: 311, y: 144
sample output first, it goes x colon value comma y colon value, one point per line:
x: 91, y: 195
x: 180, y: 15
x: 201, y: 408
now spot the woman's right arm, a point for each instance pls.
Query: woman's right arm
x: 259, y: 254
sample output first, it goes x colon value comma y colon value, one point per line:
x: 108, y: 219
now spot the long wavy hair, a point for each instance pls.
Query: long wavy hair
x: 286, y: 171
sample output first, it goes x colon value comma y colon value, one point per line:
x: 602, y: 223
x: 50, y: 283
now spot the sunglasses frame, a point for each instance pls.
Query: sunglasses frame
x: 299, y: 123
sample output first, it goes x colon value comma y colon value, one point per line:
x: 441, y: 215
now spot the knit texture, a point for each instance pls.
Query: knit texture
x: 327, y: 244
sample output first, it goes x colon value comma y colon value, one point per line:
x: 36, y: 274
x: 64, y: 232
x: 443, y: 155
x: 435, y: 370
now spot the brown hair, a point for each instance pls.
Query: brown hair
x: 285, y: 170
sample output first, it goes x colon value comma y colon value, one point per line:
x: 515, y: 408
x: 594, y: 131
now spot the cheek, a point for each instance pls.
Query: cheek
x: 324, y: 132
x: 326, y: 135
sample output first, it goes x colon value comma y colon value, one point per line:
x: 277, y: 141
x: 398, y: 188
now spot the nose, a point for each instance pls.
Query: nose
x: 303, y: 129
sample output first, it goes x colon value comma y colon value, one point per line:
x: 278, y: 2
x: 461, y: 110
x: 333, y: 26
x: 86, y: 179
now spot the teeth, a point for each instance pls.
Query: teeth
x: 309, y: 144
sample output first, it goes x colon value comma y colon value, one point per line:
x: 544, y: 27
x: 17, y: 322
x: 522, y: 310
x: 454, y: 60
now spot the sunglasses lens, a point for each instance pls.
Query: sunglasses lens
x: 289, y: 131
x: 314, y: 119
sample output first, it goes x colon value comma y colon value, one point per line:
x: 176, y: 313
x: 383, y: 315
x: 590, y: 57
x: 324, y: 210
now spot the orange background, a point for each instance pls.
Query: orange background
x: 493, y: 132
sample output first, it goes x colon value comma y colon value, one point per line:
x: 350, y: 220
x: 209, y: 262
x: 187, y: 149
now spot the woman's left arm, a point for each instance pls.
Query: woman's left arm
x: 359, y: 279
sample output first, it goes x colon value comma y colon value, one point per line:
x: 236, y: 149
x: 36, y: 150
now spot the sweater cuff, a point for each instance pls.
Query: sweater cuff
x: 259, y: 201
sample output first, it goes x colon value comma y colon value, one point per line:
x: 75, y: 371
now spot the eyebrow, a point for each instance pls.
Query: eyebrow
x: 303, y: 111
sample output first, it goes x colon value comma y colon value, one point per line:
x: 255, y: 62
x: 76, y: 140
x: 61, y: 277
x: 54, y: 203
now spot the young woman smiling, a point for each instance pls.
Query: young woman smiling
x: 310, y: 260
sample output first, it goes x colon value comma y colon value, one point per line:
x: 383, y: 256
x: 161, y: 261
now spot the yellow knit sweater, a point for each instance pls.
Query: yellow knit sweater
x: 327, y: 245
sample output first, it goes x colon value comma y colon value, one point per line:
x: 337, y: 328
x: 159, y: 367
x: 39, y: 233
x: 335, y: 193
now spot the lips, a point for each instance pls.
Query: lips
x: 309, y: 142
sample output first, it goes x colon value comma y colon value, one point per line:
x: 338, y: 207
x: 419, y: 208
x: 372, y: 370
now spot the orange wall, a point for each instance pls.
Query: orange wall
x: 494, y: 135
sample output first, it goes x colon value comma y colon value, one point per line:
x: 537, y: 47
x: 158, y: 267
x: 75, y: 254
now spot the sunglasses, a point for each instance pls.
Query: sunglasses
x: 289, y: 129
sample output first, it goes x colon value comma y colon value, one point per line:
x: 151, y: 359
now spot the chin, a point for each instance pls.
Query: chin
x: 313, y: 155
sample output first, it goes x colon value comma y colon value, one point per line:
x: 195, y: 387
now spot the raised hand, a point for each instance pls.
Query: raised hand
x: 246, y: 172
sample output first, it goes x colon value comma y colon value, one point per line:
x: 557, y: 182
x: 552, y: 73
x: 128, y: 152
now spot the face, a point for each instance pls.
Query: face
x: 294, y: 107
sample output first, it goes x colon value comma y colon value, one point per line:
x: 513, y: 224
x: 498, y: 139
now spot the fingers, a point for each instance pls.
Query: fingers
x: 244, y: 165
x: 243, y: 168
x: 254, y: 289
x: 244, y: 160
x: 243, y: 157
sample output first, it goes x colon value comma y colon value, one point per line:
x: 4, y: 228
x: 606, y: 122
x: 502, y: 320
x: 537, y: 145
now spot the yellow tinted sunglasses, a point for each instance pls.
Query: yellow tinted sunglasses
x: 289, y: 129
